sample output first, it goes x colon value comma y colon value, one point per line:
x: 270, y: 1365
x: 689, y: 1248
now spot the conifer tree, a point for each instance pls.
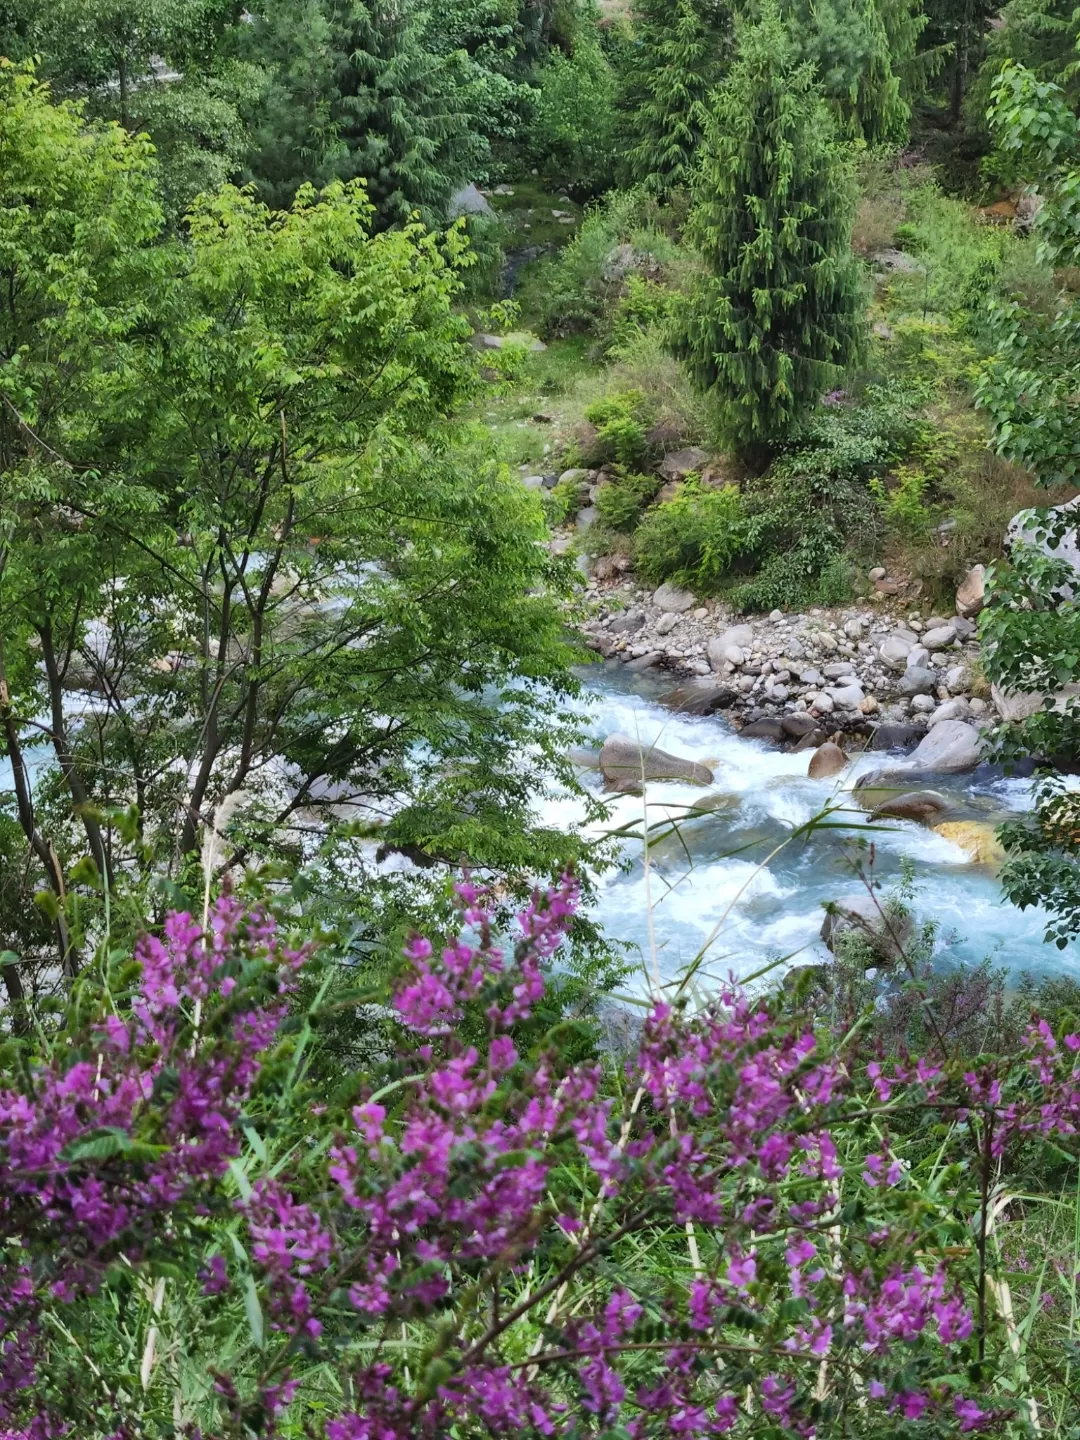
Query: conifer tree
x: 675, y: 64
x: 780, y: 312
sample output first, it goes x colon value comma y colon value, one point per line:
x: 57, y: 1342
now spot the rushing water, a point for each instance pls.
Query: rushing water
x: 769, y: 910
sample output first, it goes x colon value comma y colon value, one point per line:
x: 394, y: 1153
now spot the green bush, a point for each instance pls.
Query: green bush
x: 693, y: 539
x: 573, y: 126
x: 621, y: 503
x: 621, y: 422
x: 562, y: 502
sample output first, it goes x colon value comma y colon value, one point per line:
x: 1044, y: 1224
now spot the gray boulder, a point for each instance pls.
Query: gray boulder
x: 940, y: 638
x: 764, y: 729
x: 671, y: 597
x: 719, y: 646
x: 1026, y: 528
x: 950, y: 748
x: 827, y: 760
x: 917, y: 681
x: 626, y: 763
x: 627, y: 624
x: 971, y: 592
x: 894, y: 652
x: 681, y: 463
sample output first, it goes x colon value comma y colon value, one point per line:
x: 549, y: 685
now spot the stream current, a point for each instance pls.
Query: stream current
x: 763, y: 794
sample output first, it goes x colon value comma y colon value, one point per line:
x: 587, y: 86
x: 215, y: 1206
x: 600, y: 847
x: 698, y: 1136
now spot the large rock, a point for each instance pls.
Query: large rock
x: 626, y: 763
x: 950, y: 748
x: 827, y: 759
x: 895, y: 737
x: 940, y: 638
x: 1026, y: 528
x: 957, y: 709
x: 977, y: 838
x: 848, y: 697
x: 698, y: 699
x: 917, y: 681
x: 681, y: 463
x: 894, y: 653
x: 627, y: 624
x: 971, y: 592
x: 886, y: 932
x: 922, y: 806
x: 1016, y: 705
x: 735, y: 638
x: 671, y: 597
x: 798, y: 724
x: 764, y: 729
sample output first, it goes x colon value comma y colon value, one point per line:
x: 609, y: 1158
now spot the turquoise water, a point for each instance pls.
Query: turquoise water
x: 752, y: 909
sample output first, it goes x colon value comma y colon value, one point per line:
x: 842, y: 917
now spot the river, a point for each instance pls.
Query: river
x: 773, y: 909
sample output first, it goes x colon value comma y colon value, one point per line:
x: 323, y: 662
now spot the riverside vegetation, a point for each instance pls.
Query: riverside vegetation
x: 356, y: 365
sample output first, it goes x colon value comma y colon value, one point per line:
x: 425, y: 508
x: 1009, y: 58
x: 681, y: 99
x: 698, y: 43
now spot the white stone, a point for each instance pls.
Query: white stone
x: 776, y: 615
x: 918, y: 657
x: 877, y: 573
x: 894, y: 653
x: 822, y: 703
x: 854, y: 628
x: 958, y: 679
x: 667, y: 622
x: 957, y: 709
x: 971, y: 593
x: 826, y: 642
x: 922, y: 703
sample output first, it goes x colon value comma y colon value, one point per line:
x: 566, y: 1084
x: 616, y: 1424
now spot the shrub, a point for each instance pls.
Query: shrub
x: 479, y: 1234
x: 693, y: 539
x: 573, y: 127
x: 621, y: 425
x: 621, y: 502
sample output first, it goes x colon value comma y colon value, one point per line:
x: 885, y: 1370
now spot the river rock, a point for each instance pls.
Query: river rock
x: 895, y: 737
x: 917, y: 681
x: 887, y: 934
x: 957, y: 709
x: 628, y: 624
x: 698, y: 699
x: 798, y: 724
x: 586, y: 516
x: 838, y: 669
x: 583, y: 757
x: 958, y: 679
x: 533, y: 482
x: 923, y: 704
x: 625, y: 763
x: 950, y: 748
x: 672, y: 598
x: 648, y: 661
x: 918, y: 657
x: 894, y: 653
x: 826, y: 642
x: 1016, y: 705
x: 667, y: 622
x: 848, y: 697
x: 976, y: 837
x: 922, y: 806
x: 822, y: 703
x: 734, y: 639
x: 940, y: 638
x: 971, y: 592
x: 827, y: 759
x: 811, y: 677
x: 468, y: 201
x: 812, y: 740
x: 766, y: 728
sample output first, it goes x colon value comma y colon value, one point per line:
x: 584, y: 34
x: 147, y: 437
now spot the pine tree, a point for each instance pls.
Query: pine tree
x: 676, y: 62
x: 780, y: 312
x: 401, y: 112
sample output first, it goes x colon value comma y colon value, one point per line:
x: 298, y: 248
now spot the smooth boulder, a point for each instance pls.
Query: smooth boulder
x: 922, y: 806
x: 673, y: 598
x: 735, y: 638
x: 827, y: 759
x: 950, y: 748
x: 918, y: 681
x: 626, y: 764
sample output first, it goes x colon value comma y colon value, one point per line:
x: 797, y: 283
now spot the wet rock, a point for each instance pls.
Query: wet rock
x: 957, y: 709
x: 764, y: 729
x: 976, y: 837
x: 673, y: 599
x: 645, y: 662
x: 625, y: 764
x: 812, y: 740
x: 798, y: 724
x: 628, y: 624
x: 698, y: 699
x: 583, y: 757
x: 827, y: 759
x: 950, y: 748
x: 917, y: 681
x: 971, y: 592
x: 922, y: 806
x: 895, y: 737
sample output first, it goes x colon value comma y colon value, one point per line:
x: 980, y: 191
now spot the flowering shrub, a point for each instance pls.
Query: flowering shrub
x: 721, y: 1237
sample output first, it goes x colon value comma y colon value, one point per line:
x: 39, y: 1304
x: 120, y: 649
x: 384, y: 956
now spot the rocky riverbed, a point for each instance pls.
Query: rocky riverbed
x: 797, y: 677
